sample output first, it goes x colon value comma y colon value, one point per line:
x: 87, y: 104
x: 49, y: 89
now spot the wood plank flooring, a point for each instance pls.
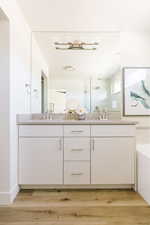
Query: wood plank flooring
x: 88, y: 207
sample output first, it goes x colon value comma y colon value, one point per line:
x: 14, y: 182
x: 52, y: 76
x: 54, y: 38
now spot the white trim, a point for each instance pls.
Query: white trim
x: 13, y: 193
x: 7, y: 198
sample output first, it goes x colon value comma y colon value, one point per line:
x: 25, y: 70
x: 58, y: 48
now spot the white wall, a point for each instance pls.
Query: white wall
x: 15, y: 98
x: 135, y: 51
x: 38, y: 65
x: 18, y: 100
x: 4, y: 105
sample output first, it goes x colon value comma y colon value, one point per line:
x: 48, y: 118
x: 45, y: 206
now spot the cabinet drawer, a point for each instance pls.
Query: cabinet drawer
x: 77, y: 130
x: 77, y: 172
x: 112, y: 130
x: 77, y: 148
x: 40, y: 131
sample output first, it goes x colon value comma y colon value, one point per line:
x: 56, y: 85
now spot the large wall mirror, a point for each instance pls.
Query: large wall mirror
x: 75, y: 69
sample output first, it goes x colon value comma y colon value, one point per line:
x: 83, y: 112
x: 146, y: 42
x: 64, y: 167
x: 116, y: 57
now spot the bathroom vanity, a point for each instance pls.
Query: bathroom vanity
x: 76, y: 154
x: 71, y: 153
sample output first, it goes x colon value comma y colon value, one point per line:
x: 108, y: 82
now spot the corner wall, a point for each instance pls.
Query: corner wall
x: 4, y: 107
x: 14, y: 96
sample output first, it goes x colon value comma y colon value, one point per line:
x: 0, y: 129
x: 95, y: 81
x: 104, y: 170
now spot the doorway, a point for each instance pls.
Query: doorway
x: 44, y: 93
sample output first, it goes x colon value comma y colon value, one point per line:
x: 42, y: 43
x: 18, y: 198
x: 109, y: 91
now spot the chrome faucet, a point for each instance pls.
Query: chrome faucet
x: 51, y: 110
x: 103, y: 115
x: 44, y: 116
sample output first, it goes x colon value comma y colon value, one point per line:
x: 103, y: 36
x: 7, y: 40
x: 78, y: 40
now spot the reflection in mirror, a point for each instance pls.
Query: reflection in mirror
x: 75, y: 70
x: 69, y: 94
x: 106, y: 93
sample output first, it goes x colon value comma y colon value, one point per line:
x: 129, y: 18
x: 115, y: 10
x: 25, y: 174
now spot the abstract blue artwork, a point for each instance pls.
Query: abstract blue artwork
x: 136, y: 91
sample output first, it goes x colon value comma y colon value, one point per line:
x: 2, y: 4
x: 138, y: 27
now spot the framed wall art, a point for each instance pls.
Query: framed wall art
x: 136, y: 91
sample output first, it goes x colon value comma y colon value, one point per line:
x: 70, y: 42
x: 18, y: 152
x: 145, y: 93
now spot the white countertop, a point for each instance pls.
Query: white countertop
x: 75, y: 122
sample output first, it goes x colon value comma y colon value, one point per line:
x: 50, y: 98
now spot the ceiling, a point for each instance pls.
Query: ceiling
x: 87, y: 15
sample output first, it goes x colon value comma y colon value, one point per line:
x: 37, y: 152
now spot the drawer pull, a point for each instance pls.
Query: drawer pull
x: 77, y: 131
x: 93, y: 145
x: 77, y: 150
x: 77, y: 174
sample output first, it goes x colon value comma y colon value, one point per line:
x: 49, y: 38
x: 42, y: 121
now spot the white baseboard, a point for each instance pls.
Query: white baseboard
x: 13, y: 193
x: 7, y: 198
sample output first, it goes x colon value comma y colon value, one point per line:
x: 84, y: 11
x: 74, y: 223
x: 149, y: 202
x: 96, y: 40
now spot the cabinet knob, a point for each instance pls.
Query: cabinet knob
x: 93, y: 145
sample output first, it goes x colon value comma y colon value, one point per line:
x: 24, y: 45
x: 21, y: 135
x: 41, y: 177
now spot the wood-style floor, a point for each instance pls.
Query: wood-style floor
x: 98, y: 207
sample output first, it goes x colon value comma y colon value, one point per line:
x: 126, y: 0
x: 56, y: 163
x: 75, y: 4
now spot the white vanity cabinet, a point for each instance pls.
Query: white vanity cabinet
x: 112, y: 155
x: 40, y: 155
x: 76, y: 155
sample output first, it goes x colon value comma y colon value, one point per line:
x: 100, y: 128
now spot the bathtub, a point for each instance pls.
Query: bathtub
x: 143, y: 169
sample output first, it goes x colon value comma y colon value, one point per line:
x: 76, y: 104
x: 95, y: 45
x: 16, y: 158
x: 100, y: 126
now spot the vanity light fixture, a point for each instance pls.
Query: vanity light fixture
x: 62, y: 91
x: 76, y: 45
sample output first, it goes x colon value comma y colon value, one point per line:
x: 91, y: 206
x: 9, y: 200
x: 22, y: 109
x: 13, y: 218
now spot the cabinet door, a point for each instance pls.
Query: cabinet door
x: 40, y: 161
x: 112, y: 160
